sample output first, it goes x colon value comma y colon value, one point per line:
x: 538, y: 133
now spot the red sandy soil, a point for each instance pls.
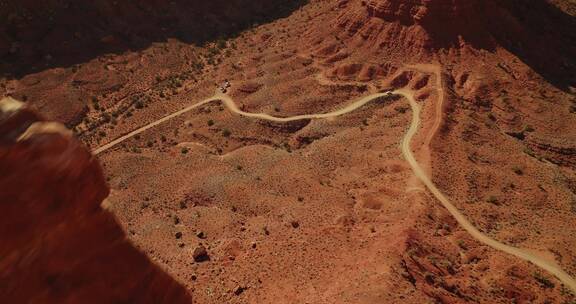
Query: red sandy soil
x: 328, y: 211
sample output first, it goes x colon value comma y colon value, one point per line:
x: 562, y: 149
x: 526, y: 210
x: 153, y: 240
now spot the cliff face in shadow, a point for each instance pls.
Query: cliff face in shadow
x: 58, y: 244
x: 37, y: 35
x: 535, y: 31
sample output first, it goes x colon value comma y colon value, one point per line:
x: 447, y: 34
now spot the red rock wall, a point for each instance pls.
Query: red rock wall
x: 57, y: 245
x: 534, y: 31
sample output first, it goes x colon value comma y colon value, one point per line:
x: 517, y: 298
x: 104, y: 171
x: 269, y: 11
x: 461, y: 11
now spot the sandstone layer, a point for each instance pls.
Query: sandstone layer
x: 58, y: 244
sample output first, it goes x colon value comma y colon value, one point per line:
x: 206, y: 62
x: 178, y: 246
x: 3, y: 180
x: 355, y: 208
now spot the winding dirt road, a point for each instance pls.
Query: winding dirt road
x: 231, y: 105
x: 419, y: 172
x: 553, y: 269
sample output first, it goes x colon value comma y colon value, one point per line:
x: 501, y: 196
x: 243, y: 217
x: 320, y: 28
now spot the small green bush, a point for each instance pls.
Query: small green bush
x: 492, y: 200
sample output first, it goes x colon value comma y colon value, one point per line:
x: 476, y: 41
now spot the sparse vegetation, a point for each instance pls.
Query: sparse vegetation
x: 492, y: 200
x: 544, y: 282
x: 462, y: 244
x: 221, y: 44
x: 184, y: 151
x: 529, y: 151
x: 210, y: 123
x: 528, y: 128
x: 401, y: 109
x: 517, y: 170
x: 226, y: 133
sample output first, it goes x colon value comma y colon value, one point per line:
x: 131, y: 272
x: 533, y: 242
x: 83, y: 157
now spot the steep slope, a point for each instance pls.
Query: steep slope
x: 58, y: 244
x: 419, y: 29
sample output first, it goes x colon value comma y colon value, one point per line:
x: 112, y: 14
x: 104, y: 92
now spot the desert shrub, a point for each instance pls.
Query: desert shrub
x: 528, y: 128
x: 529, y: 151
x: 462, y: 244
x: 221, y: 44
x: 492, y: 200
x: 545, y: 282
x: 401, y: 109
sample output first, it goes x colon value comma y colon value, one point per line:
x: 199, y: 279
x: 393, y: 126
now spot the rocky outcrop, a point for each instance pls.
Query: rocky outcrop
x: 561, y: 152
x: 427, y: 24
x: 58, y: 245
x: 419, y: 28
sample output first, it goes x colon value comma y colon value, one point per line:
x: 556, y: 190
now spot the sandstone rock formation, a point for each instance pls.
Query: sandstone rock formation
x: 420, y: 28
x: 58, y: 244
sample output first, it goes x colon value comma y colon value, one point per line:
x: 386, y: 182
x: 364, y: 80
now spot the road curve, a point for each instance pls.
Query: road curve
x: 564, y: 277
x: 231, y: 105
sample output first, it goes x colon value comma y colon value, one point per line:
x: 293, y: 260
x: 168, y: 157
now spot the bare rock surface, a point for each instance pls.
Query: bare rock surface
x: 58, y: 244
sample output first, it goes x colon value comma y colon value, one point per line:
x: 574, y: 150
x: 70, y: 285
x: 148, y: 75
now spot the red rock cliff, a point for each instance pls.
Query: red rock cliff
x: 535, y: 31
x: 57, y: 244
